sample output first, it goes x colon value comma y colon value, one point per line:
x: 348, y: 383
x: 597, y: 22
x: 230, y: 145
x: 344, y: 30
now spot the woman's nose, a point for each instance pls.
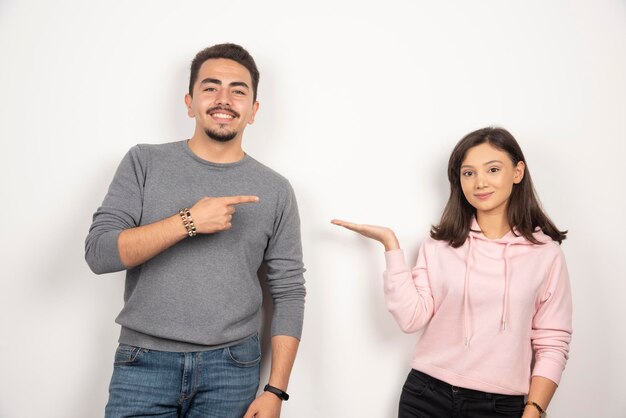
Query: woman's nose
x: 481, y: 181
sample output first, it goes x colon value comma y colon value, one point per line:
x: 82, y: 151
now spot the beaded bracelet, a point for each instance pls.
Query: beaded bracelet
x: 185, y: 215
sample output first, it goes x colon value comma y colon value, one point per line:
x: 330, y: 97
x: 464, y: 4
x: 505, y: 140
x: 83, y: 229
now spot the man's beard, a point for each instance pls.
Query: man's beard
x: 221, y: 136
x: 224, y: 136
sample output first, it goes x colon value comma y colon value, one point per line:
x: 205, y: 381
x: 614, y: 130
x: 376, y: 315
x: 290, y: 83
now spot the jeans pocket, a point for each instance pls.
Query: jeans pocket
x: 415, y: 384
x: 127, y: 354
x: 245, y: 354
x: 505, y: 404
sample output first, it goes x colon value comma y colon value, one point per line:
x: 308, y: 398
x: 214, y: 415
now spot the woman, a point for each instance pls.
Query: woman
x: 490, y: 290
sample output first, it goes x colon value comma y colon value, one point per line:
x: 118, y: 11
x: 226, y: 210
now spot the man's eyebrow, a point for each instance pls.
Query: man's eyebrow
x: 211, y: 80
x: 219, y: 82
x: 239, y: 84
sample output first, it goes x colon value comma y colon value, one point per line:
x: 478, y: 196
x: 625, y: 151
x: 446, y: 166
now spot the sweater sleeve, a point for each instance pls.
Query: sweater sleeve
x: 407, y: 292
x: 121, y: 209
x: 285, y: 269
x: 552, y: 324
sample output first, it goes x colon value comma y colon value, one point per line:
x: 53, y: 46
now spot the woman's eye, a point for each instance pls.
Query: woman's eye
x: 466, y: 173
x: 494, y: 169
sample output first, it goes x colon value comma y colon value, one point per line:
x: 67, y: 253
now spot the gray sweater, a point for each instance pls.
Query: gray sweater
x: 204, y: 292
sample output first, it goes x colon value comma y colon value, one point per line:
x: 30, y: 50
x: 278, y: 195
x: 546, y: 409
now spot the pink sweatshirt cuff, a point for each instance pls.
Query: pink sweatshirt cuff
x: 549, y: 370
x: 395, y: 261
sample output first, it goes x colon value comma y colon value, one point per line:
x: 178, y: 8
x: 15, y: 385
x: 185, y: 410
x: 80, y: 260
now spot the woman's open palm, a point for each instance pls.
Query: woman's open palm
x: 382, y: 234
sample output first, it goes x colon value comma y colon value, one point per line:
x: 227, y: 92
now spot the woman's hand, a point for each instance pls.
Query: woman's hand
x: 381, y: 234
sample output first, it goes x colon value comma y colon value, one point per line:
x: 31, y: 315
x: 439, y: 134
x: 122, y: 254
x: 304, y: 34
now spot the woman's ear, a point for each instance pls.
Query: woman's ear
x: 518, y: 175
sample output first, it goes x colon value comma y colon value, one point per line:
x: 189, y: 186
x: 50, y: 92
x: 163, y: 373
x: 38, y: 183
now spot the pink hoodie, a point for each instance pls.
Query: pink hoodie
x: 485, y: 307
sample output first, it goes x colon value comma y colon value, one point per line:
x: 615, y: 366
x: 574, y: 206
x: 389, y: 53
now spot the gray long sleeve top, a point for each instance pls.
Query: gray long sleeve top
x: 203, y: 292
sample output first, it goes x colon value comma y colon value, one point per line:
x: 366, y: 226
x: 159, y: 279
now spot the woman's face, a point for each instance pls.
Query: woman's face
x: 487, y: 179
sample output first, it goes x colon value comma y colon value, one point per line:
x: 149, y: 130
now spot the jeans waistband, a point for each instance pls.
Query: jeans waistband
x: 456, y: 389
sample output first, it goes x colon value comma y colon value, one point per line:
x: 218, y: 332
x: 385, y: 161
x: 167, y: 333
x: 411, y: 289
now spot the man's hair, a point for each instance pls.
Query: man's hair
x: 227, y: 51
x: 524, y: 214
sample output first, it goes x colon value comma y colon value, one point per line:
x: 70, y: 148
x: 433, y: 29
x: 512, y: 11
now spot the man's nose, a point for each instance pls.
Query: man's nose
x: 224, y: 97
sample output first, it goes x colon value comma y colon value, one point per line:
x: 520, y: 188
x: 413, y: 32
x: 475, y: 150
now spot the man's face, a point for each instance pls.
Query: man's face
x: 222, y: 101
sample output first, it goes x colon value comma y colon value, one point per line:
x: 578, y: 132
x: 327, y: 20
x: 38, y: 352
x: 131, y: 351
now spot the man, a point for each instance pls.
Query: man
x: 192, y: 222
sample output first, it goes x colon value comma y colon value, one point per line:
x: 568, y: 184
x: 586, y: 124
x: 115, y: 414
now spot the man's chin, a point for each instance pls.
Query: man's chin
x: 220, y: 136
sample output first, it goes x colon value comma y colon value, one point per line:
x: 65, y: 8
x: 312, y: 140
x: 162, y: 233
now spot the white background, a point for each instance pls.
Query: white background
x: 361, y: 104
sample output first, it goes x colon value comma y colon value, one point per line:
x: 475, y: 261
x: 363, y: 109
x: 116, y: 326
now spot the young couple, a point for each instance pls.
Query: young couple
x: 192, y: 221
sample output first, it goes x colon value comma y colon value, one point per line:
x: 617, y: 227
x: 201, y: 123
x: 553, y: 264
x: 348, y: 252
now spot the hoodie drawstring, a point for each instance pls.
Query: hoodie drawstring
x: 507, y: 282
x: 468, y: 267
x: 475, y: 237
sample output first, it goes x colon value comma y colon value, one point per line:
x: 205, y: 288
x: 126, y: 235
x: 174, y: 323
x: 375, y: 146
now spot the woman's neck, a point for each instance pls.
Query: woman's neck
x: 493, y: 226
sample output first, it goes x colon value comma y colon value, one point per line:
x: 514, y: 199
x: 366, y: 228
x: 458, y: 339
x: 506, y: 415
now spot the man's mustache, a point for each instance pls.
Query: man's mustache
x: 225, y: 108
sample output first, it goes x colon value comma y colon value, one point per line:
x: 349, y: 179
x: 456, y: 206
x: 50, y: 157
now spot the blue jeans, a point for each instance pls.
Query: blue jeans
x: 424, y: 396
x: 216, y: 383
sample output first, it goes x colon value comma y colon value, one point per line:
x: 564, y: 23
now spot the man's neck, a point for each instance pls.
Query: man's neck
x: 215, y: 151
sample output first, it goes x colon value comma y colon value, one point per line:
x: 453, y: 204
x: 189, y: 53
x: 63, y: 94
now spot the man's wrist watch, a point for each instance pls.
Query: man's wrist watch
x: 280, y: 393
x: 542, y: 413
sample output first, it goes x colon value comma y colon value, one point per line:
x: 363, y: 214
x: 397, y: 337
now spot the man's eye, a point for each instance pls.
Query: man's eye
x: 240, y: 92
x: 210, y: 89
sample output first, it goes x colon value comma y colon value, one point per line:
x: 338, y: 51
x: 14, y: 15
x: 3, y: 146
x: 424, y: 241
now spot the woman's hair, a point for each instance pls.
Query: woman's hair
x: 524, y: 210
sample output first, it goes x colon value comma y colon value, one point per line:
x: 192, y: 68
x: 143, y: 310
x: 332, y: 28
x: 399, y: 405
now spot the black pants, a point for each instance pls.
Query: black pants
x: 426, y: 397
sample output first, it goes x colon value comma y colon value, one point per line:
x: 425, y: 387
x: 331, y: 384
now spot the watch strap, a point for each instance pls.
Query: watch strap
x: 542, y: 412
x: 280, y: 393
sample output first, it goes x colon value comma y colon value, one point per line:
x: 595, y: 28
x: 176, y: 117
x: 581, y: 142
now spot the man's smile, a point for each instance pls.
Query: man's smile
x: 222, y: 115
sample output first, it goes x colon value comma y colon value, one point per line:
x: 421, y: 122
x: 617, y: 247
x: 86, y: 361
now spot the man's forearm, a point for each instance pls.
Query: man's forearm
x: 138, y: 245
x: 284, y: 349
x: 268, y: 405
x: 210, y: 215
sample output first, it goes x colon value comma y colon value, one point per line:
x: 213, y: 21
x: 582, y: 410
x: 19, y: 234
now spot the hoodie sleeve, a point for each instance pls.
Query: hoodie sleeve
x: 407, y: 291
x: 552, y: 323
x: 121, y: 209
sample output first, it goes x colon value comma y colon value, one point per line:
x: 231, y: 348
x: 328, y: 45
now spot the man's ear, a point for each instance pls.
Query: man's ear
x: 255, y: 108
x: 188, y: 103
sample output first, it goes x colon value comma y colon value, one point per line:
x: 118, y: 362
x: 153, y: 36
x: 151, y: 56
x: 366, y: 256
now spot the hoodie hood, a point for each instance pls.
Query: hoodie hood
x: 512, y: 237
x: 499, y: 248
